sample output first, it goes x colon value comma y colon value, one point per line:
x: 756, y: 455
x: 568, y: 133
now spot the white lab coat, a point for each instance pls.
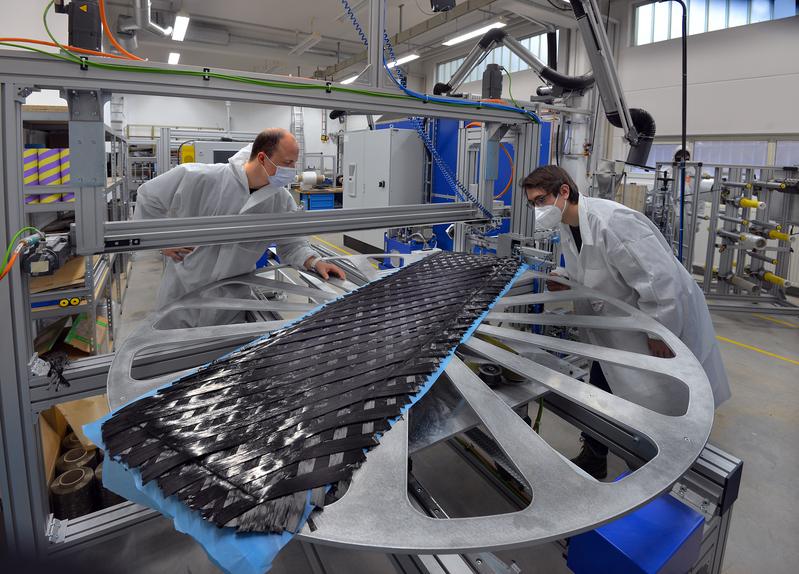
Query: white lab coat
x: 197, y: 189
x: 624, y: 256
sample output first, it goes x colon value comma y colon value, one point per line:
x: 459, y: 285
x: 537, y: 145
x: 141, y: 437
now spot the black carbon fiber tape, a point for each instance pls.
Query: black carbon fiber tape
x: 245, y: 438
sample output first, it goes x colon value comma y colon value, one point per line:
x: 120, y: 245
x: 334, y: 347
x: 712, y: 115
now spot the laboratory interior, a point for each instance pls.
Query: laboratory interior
x: 399, y: 286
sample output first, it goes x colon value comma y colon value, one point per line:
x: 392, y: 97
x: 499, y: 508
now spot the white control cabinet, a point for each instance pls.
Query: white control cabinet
x: 381, y: 168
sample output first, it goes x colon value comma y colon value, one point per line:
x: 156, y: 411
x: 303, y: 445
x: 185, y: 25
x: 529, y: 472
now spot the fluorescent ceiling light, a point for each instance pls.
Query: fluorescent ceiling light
x: 473, y: 34
x: 180, y: 27
x: 174, y: 58
x: 350, y: 80
x: 404, y: 60
x: 309, y: 42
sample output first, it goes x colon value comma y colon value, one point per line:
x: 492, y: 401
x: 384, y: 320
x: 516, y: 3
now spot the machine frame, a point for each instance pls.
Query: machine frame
x: 23, y: 396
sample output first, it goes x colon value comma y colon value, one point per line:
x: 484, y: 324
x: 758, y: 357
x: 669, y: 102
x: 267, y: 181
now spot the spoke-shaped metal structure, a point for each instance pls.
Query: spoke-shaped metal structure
x: 375, y: 513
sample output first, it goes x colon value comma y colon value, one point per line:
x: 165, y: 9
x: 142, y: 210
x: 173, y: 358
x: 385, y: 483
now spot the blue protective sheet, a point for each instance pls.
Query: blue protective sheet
x: 233, y: 552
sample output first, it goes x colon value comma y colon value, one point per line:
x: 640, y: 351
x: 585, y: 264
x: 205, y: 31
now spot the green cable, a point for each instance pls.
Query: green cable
x: 233, y: 78
x: 537, y: 423
x: 32, y: 49
x: 13, y: 241
x: 510, y: 87
x: 49, y: 33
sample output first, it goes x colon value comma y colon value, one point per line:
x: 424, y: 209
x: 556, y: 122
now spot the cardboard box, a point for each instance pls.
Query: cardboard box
x: 633, y: 196
x: 52, y: 427
x: 83, y: 411
x: 55, y: 422
x: 81, y: 334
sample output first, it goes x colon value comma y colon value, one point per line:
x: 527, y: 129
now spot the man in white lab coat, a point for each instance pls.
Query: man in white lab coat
x: 253, y: 181
x: 619, y: 252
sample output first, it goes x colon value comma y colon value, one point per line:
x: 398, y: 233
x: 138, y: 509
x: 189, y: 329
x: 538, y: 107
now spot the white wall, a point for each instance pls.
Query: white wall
x: 190, y: 113
x: 741, y: 81
x: 25, y: 21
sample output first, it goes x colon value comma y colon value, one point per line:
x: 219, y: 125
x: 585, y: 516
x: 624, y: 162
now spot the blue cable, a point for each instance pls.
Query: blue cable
x: 459, y: 189
x: 418, y: 123
x: 355, y: 22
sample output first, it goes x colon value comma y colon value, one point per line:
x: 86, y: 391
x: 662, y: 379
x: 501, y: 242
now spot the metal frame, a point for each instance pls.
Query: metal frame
x: 565, y: 501
x: 729, y: 274
x: 21, y: 469
x: 439, y: 416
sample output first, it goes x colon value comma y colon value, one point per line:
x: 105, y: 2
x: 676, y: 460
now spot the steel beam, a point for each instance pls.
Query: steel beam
x: 159, y: 233
x: 40, y: 71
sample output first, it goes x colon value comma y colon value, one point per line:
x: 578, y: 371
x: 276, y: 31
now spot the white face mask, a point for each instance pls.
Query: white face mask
x: 548, y: 216
x: 283, y: 176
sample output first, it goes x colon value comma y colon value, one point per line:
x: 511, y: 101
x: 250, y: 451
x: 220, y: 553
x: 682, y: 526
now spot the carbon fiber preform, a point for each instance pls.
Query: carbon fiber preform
x: 245, y: 438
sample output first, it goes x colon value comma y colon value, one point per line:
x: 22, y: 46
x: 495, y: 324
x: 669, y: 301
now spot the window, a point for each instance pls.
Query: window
x: 787, y: 153
x: 725, y: 152
x: 659, y: 21
x: 502, y: 56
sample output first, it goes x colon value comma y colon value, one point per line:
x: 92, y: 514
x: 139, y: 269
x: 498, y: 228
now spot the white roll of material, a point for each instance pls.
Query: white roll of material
x: 311, y: 178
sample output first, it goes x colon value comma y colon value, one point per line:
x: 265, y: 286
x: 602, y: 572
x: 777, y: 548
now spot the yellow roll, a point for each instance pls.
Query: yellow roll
x: 63, y: 156
x: 49, y: 167
x: 30, y: 167
x: 746, y: 202
x: 774, y: 234
x: 49, y: 198
x: 775, y: 279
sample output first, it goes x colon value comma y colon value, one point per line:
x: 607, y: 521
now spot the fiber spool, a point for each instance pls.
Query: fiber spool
x: 49, y: 173
x: 30, y: 167
x: 76, y: 458
x: 63, y: 157
x: 30, y: 173
x: 105, y: 497
x: 311, y: 178
x: 749, y: 240
x: 72, y: 493
x: 49, y: 166
x: 70, y: 442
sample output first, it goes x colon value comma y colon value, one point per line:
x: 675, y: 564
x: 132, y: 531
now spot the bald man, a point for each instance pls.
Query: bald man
x: 253, y: 181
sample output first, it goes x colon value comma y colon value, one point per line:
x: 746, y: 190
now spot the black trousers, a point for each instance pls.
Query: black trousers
x: 597, y: 379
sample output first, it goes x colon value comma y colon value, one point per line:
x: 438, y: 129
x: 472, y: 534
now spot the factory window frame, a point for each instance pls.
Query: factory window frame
x: 731, y: 152
x: 536, y: 44
x: 655, y: 22
x: 787, y: 153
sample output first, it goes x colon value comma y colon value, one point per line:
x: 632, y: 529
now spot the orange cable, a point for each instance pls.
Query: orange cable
x: 108, y: 33
x: 54, y: 45
x: 11, y: 262
x: 510, y: 179
x: 507, y: 153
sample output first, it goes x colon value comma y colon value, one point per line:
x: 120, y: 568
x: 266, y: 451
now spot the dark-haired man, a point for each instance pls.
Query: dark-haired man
x: 253, y: 181
x: 619, y: 252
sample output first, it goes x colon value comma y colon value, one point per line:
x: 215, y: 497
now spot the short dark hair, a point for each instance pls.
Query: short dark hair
x: 550, y: 178
x: 680, y: 153
x: 267, y: 141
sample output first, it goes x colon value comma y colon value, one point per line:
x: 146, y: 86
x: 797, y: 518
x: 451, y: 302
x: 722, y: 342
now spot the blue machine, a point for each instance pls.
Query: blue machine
x: 663, y: 537
x: 446, y: 143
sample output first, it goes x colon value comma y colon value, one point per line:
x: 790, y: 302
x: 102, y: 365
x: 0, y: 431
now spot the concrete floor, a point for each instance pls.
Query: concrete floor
x: 759, y: 424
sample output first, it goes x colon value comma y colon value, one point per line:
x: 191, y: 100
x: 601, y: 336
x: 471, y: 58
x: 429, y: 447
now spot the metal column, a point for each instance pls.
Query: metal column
x: 23, y: 484
x: 377, y: 23
x: 522, y: 221
x: 87, y: 149
x: 163, y: 159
